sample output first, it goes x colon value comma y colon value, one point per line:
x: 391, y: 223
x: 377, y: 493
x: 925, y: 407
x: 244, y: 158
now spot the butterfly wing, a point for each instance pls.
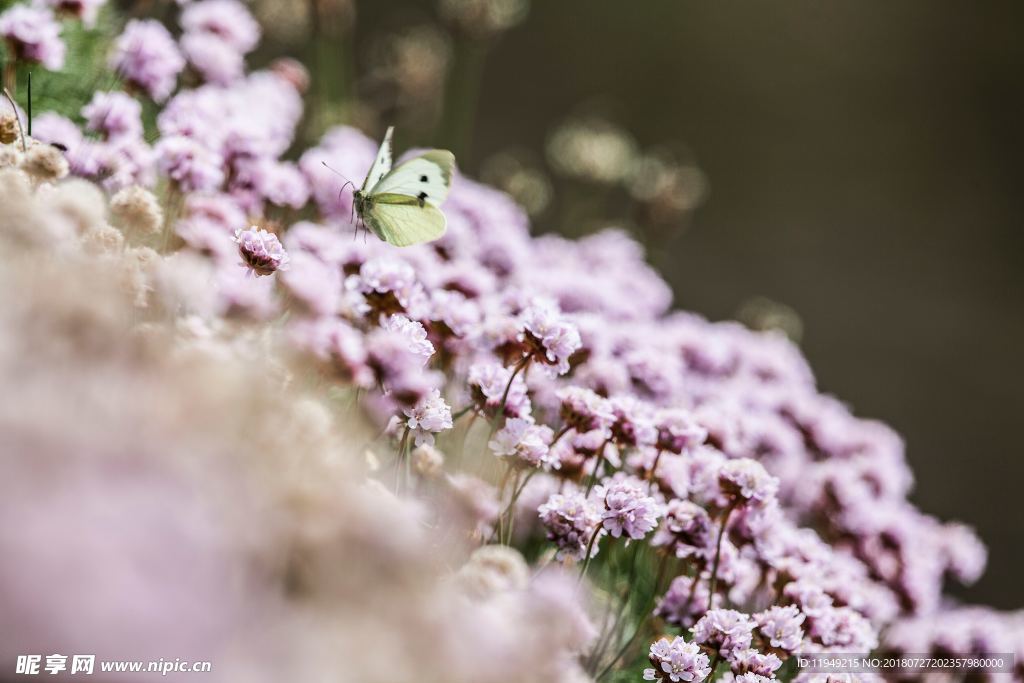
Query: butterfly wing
x: 402, y: 221
x: 425, y: 178
x: 382, y: 164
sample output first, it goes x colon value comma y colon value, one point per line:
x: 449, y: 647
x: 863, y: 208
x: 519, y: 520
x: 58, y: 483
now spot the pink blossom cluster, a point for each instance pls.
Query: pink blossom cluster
x: 573, y: 406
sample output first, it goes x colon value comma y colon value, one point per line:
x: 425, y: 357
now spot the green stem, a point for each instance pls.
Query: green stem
x: 587, y: 556
x: 599, y: 464
x: 645, y: 619
x: 718, y: 555
x: 654, y: 469
x: 607, y: 633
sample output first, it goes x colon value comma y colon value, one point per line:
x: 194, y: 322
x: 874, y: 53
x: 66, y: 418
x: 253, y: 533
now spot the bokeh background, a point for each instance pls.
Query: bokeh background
x: 863, y: 168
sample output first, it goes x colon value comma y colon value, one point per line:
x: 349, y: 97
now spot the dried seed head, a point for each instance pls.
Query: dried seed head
x: 8, y: 129
x: 137, y: 209
x: 45, y: 163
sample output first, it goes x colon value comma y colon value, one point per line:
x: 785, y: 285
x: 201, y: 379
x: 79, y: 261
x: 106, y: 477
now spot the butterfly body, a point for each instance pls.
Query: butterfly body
x: 402, y: 205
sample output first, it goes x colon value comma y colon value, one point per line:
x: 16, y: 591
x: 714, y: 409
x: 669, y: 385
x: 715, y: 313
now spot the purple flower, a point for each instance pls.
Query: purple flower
x: 314, y: 284
x: 628, y: 509
x: 685, y: 600
x: 725, y: 630
x: 585, y: 411
x: 216, y: 61
x: 573, y: 523
x: 32, y: 34
x: 549, y: 337
x: 844, y: 630
x: 686, y: 529
x: 146, y: 56
x: 678, y: 431
x: 85, y: 10
x: 677, y: 660
x: 261, y: 251
x: 488, y: 381
x: 781, y: 627
x: 747, y: 480
x: 633, y: 427
x: 526, y: 441
x: 809, y: 597
x: 191, y: 165
x: 398, y: 367
x: 389, y: 286
x: 753, y: 662
x: 414, y: 334
x: 228, y: 20
x: 114, y: 115
x: 428, y: 417
x: 964, y: 552
x: 278, y: 182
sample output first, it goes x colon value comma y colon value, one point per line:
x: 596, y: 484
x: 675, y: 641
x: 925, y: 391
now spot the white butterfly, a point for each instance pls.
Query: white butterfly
x: 401, y: 205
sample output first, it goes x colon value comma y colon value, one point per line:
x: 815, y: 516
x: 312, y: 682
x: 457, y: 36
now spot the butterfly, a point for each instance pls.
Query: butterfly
x: 402, y: 205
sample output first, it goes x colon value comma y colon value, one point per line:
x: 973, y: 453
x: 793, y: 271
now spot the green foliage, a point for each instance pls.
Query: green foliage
x: 84, y: 72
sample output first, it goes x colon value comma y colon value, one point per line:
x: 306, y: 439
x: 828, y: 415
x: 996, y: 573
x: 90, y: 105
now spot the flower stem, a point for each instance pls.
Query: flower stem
x: 587, y: 556
x: 718, y: 555
x: 508, y: 387
x: 645, y: 619
x: 597, y: 466
x: 654, y: 469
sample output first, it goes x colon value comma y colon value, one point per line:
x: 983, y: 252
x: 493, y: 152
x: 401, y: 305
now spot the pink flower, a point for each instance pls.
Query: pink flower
x: 32, y: 34
x: 146, y: 56
x: 525, y: 441
x: 216, y: 61
x: 227, y: 20
x: 114, y: 114
x: 428, y: 417
x: 677, y: 660
x: 261, y: 251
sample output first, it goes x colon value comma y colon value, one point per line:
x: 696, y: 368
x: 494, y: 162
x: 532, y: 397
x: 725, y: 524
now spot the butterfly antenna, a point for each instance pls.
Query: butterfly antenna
x: 30, y: 104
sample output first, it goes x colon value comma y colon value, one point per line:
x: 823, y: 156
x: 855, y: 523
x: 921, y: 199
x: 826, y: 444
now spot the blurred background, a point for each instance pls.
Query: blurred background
x: 846, y: 171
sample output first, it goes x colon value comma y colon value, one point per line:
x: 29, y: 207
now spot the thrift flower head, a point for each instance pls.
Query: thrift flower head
x: 32, y: 34
x: 216, y: 61
x: 686, y: 529
x: 747, y: 480
x: 628, y: 509
x: 678, y: 431
x: 389, y: 286
x: 753, y: 662
x: 261, y: 251
x: 525, y: 441
x: 632, y: 427
x: 551, y: 338
x: 146, y: 56
x: 677, y: 660
x: 428, y: 417
x: 571, y: 521
x: 114, y: 114
x: 584, y: 410
x: 190, y: 164
x: 414, y: 334
x: 685, y: 601
x: 781, y: 627
x: 85, y: 10
x: 227, y: 20
x: 488, y: 382
x: 725, y: 630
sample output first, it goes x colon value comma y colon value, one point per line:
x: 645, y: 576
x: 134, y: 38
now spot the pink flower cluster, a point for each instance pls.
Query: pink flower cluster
x: 780, y: 518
